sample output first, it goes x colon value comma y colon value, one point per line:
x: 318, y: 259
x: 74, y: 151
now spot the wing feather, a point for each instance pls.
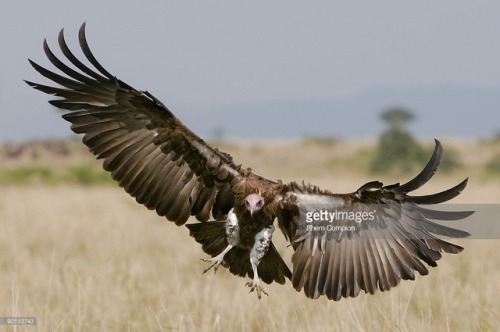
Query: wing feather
x: 374, y: 254
x: 335, y: 281
x: 148, y: 151
x: 77, y: 63
x: 427, y: 173
x: 441, y: 196
x: 88, y: 54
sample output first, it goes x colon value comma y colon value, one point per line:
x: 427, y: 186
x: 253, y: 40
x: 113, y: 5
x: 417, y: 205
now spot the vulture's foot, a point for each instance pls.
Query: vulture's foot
x: 217, y: 260
x: 255, y: 286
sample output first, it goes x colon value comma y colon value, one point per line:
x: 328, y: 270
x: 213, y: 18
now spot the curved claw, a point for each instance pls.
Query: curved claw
x: 255, y: 286
x: 216, y: 262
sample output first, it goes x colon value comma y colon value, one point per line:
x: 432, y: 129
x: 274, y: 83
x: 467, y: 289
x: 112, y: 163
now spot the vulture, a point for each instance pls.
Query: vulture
x: 368, y: 239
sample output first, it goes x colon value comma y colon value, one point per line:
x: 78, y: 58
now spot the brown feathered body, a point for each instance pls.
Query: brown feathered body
x: 251, y: 224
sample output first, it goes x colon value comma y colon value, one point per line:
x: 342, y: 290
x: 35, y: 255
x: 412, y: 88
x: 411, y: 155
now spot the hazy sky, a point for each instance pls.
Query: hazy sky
x: 201, y: 56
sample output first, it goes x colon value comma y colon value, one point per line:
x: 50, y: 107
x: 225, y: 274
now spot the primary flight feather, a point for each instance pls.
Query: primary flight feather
x: 366, y: 240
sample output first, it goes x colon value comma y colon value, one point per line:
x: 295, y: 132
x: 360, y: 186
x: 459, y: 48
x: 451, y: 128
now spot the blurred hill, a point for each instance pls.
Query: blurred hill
x: 468, y: 112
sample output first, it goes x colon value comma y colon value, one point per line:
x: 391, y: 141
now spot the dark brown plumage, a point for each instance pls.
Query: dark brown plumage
x: 169, y: 169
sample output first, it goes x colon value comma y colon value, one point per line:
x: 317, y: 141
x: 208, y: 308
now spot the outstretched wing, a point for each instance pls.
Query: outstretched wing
x: 372, y: 238
x: 151, y: 154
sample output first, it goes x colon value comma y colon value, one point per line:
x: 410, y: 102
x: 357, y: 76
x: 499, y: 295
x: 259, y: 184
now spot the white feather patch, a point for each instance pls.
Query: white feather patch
x: 310, y: 200
x: 232, y: 229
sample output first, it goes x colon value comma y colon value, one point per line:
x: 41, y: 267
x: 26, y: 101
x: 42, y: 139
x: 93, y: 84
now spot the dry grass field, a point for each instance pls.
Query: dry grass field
x: 88, y: 258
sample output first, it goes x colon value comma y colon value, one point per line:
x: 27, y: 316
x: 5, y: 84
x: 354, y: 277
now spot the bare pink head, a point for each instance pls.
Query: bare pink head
x: 253, y: 203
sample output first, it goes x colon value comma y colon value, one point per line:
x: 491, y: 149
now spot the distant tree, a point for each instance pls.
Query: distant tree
x: 397, y: 149
x: 493, y: 166
x: 397, y: 117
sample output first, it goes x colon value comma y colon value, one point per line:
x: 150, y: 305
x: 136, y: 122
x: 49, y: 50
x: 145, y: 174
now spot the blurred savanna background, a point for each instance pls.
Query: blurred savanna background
x: 79, y: 254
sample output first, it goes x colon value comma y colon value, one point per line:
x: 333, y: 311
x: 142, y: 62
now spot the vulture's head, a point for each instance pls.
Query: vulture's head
x: 253, y: 203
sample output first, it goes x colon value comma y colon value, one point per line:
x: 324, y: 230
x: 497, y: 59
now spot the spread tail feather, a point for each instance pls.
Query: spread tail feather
x: 211, y: 236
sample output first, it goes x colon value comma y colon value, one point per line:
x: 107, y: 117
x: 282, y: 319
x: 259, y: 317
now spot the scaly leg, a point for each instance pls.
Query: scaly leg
x: 232, y: 238
x: 259, y: 250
